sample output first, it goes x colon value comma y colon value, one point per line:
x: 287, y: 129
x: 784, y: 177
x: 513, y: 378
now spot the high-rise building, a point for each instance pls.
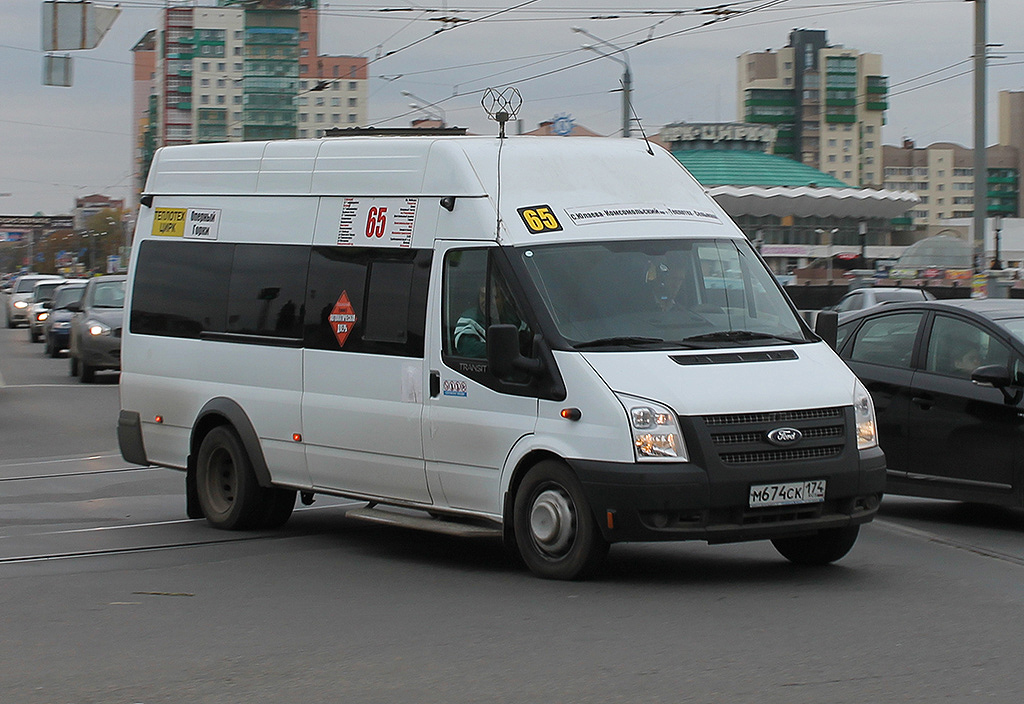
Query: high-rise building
x: 827, y: 101
x: 241, y: 70
x: 942, y: 175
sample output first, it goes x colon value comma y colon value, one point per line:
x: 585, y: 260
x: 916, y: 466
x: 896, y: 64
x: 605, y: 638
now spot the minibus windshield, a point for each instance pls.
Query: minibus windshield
x: 656, y: 294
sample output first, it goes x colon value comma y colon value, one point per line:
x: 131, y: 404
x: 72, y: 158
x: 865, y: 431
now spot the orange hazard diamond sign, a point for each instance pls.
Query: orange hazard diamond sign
x: 342, y: 319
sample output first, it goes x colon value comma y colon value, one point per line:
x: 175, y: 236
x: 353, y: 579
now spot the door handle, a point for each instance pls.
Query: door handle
x: 923, y: 402
x: 435, y: 383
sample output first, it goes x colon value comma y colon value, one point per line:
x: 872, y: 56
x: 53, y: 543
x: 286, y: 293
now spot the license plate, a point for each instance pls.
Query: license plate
x: 787, y: 493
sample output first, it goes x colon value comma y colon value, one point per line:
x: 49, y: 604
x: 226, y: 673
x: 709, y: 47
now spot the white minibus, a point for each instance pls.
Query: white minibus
x: 562, y: 342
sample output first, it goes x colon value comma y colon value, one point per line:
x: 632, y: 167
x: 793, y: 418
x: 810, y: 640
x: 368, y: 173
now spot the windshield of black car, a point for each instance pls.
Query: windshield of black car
x: 654, y: 294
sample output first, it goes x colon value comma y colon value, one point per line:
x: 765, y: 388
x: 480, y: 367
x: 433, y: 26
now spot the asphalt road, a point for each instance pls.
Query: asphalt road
x: 109, y: 594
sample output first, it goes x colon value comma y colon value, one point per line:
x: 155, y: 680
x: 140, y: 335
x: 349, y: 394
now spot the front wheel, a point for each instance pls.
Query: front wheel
x: 72, y: 365
x: 229, y: 494
x: 555, y: 532
x: 820, y: 549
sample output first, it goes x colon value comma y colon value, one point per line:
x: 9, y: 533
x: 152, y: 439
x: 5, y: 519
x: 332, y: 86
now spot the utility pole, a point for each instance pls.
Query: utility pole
x: 980, y: 160
x: 627, y: 75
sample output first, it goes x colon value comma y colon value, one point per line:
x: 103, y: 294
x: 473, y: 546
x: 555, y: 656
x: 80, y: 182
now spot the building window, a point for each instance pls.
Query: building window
x: 831, y: 142
x: 351, y: 85
x: 351, y: 117
x: 220, y: 100
x: 303, y: 69
x: 335, y: 118
x: 239, y: 34
x: 303, y: 117
x: 221, y: 66
x: 236, y: 116
x: 204, y: 82
x: 237, y: 99
x: 204, y: 99
x: 869, y: 145
x: 335, y: 102
x: 238, y: 51
x: 319, y: 117
x: 319, y: 100
x: 869, y: 178
x: 303, y: 133
x: 831, y: 158
x: 238, y: 66
x: 204, y: 66
x: 870, y: 129
x: 303, y: 36
x: 847, y: 158
x: 352, y: 102
x: 303, y: 85
x: 304, y: 52
x: 847, y: 174
x: 221, y: 83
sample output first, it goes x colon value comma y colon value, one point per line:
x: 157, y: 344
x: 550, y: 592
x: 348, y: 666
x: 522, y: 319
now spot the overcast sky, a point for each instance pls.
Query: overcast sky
x: 59, y: 143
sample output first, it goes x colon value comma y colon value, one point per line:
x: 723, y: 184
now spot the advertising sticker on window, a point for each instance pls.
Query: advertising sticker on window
x: 342, y: 318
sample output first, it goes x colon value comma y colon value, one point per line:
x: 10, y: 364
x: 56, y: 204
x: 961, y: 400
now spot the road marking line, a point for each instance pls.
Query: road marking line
x: 948, y: 542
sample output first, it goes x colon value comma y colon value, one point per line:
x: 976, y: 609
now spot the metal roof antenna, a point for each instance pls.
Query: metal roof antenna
x: 501, y: 105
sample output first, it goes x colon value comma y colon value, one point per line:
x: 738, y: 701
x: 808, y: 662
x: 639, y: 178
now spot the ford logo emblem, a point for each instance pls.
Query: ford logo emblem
x: 784, y: 436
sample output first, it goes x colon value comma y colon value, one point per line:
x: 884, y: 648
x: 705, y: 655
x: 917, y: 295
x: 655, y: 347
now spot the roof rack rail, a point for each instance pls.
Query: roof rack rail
x: 393, y: 131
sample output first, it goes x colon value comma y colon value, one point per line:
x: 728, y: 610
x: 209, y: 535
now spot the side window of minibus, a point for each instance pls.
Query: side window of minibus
x: 477, y: 296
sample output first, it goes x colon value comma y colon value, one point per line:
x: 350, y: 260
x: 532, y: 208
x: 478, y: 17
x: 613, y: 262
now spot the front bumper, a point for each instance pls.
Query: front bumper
x: 100, y: 351
x: 681, y: 501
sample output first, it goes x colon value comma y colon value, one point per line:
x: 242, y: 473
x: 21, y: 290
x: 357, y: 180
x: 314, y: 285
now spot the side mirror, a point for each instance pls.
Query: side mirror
x: 503, y: 357
x: 826, y: 326
x: 47, y: 305
x: 992, y: 375
x: 74, y: 307
x: 999, y: 377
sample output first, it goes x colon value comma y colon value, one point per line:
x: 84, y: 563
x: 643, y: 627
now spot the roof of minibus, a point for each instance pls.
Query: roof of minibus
x: 585, y: 182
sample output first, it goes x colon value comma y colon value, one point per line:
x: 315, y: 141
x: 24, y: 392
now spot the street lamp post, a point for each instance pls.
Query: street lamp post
x: 997, y: 225
x: 627, y: 76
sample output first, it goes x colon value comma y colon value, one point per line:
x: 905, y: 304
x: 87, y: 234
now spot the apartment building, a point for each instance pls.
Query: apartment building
x: 827, y: 101
x: 942, y: 176
x: 242, y: 70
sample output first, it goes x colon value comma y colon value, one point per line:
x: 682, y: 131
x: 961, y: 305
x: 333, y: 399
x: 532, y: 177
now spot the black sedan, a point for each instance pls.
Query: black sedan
x: 947, y: 380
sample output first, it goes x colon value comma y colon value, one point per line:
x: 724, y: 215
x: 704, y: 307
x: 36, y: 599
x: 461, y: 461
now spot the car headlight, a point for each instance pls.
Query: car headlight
x: 42, y: 316
x: 20, y: 305
x: 655, y: 431
x: 864, y: 417
x: 97, y: 328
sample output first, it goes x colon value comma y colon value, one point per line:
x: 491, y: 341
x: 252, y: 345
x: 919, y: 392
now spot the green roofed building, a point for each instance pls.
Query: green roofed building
x: 795, y: 213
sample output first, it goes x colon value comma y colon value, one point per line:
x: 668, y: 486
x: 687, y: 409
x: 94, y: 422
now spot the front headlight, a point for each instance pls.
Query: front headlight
x: 864, y: 418
x: 20, y: 305
x: 42, y: 316
x: 97, y: 328
x: 655, y: 431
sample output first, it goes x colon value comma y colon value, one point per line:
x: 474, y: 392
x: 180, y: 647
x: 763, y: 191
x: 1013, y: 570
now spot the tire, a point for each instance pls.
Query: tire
x: 229, y: 495
x: 555, y: 531
x: 33, y: 335
x: 52, y: 350
x: 820, y: 549
x: 278, y: 507
x: 72, y: 365
x: 88, y: 373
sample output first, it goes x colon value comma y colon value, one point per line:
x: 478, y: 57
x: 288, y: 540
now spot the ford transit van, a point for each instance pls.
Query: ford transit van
x: 563, y: 342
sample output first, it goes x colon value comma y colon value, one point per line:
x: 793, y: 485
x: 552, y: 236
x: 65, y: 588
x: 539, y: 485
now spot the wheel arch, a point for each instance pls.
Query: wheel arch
x: 524, y: 465
x: 225, y: 411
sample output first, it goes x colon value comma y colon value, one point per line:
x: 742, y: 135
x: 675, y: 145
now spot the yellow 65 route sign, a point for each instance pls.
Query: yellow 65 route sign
x: 539, y: 218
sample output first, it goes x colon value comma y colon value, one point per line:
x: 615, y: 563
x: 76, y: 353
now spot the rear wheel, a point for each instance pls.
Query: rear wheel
x: 52, y: 348
x: 72, y: 364
x: 820, y: 549
x: 32, y: 334
x: 229, y: 494
x: 554, y: 529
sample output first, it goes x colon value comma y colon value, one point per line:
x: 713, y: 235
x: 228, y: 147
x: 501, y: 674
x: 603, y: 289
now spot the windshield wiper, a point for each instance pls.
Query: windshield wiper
x: 621, y: 340
x: 739, y: 336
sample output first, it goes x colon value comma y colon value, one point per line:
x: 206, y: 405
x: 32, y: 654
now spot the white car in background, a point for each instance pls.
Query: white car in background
x: 21, y: 298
